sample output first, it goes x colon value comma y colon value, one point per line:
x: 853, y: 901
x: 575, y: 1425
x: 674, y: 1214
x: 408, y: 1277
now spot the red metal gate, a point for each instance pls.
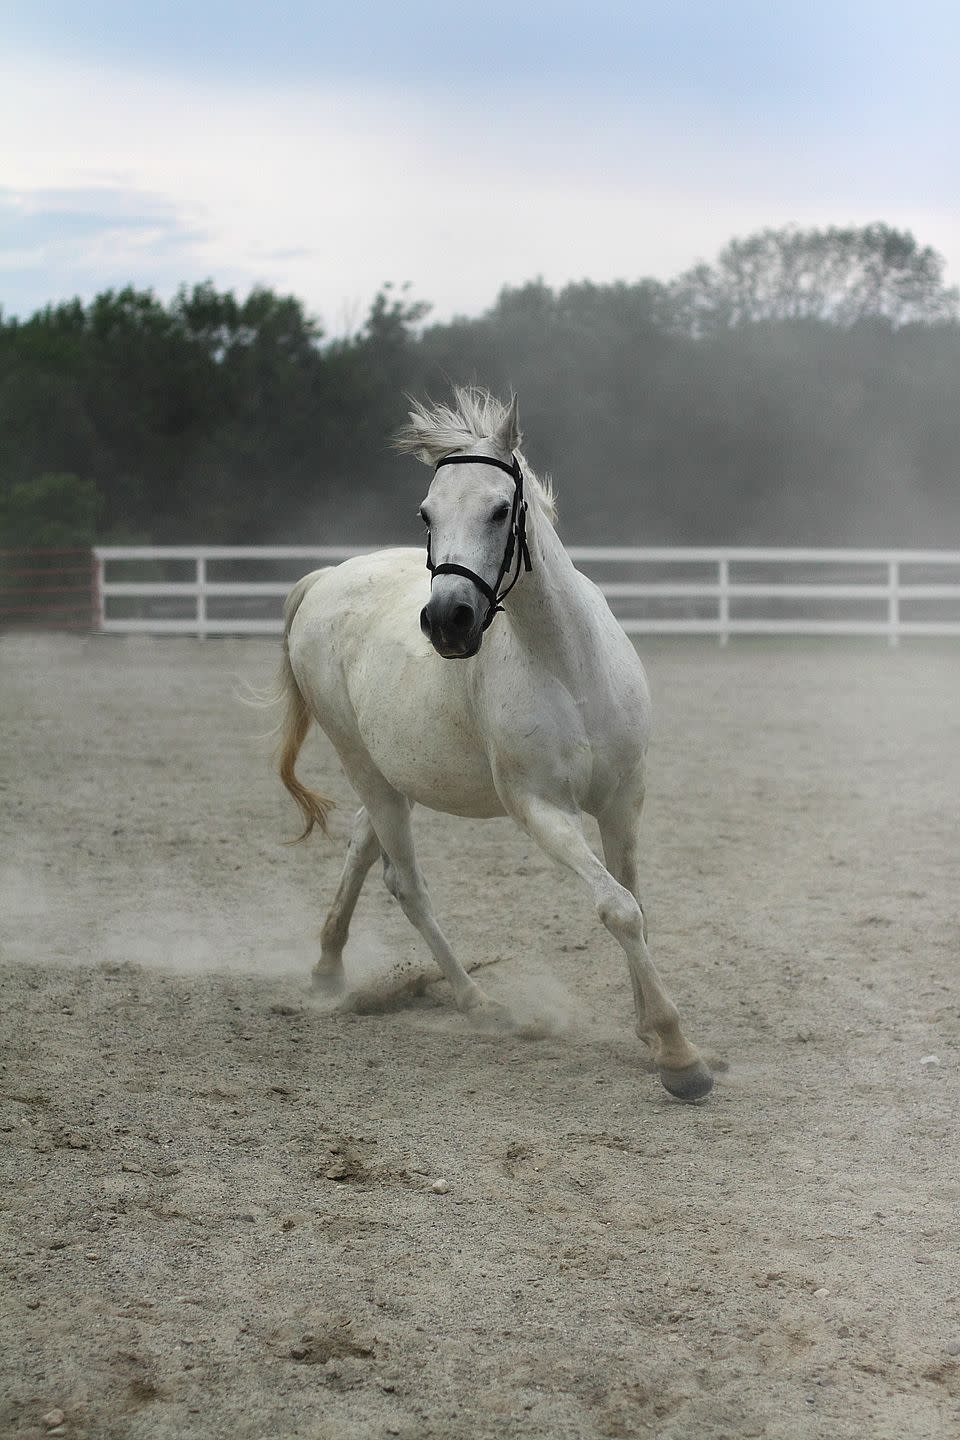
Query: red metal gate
x: 48, y: 590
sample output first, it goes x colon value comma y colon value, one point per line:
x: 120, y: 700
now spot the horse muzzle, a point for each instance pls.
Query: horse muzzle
x: 453, y: 626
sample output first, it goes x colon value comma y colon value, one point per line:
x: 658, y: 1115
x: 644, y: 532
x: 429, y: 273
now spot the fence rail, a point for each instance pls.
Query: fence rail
x: 54, y: 588
x: 688, y: 591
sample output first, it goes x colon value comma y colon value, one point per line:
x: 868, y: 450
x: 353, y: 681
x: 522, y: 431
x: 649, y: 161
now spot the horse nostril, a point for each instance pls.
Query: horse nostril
x: 462, y: 617
x: 425, y: 622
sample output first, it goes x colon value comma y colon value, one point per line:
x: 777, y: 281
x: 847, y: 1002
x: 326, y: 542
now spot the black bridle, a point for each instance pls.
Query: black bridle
x: 516, y: 539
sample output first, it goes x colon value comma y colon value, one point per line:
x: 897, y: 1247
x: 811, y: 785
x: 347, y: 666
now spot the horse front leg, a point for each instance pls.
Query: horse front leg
x: 559, y: 832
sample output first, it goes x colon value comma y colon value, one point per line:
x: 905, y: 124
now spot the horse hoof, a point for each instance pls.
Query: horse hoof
x: 693, y: 1082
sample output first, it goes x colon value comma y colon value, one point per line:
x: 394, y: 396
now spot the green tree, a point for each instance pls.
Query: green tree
x: 52, y: 511
x: 840, y: 276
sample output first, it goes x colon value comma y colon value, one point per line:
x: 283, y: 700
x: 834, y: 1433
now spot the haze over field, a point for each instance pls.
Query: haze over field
x: 804, y: 389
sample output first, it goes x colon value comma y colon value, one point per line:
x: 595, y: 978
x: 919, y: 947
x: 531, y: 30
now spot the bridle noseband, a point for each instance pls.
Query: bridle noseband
x: 516, y: 540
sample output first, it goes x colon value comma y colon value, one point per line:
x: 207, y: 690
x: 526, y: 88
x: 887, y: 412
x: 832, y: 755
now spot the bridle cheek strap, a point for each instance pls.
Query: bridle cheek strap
x: 516, y: 539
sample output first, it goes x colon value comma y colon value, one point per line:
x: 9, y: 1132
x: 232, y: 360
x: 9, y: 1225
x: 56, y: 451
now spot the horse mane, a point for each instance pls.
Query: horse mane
x: 436, y: 430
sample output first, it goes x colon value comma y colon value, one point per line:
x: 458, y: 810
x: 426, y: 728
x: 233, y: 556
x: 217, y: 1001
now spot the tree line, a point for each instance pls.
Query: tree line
x: 804, y: 388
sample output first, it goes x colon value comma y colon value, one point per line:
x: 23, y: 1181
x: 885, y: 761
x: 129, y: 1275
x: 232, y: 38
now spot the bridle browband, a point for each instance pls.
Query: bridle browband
x: 516, y: 540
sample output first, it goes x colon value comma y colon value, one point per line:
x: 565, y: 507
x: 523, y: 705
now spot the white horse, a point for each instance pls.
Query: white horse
x: 431, y: 695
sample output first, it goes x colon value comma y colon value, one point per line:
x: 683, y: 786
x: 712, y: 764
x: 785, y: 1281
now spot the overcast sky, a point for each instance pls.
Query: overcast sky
x: 325, y: 148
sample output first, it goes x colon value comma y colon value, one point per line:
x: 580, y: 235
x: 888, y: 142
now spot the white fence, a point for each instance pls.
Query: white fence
x: 720, y: 592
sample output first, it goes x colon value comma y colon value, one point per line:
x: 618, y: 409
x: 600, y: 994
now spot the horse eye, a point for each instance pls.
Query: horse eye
x: 501, y: 513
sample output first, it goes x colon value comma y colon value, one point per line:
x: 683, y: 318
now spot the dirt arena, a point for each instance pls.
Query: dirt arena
x: 221, y: 1208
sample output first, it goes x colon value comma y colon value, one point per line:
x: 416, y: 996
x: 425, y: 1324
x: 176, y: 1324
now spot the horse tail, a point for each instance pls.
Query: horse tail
x: 297, y: 719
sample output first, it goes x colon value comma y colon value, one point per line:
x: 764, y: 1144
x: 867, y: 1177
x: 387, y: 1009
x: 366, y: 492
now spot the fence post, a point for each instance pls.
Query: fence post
x: 201, y: 596
x: 893, y: 604
x: 723, y: 574
x: 96, y: 591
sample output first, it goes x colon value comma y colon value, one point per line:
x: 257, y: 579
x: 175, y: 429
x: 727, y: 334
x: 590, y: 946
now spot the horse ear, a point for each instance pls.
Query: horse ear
x: 509, y: 434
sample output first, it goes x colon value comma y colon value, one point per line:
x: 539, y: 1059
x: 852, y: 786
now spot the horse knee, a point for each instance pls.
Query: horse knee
x: 622, y: 915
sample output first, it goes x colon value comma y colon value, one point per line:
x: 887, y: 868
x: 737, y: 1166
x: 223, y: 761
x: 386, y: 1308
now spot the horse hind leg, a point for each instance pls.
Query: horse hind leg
x: 328, y: 976
x: 620, y: 852
x: 389, y: 813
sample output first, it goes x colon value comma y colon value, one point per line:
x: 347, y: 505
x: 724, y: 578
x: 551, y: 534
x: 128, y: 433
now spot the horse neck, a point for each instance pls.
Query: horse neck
x: 549, y: 596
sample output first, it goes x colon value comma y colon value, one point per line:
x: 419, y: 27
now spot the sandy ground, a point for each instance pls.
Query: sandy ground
x: 218, y: 1213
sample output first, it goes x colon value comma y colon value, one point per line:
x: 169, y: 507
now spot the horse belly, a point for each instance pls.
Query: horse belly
x: 434, y: 758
